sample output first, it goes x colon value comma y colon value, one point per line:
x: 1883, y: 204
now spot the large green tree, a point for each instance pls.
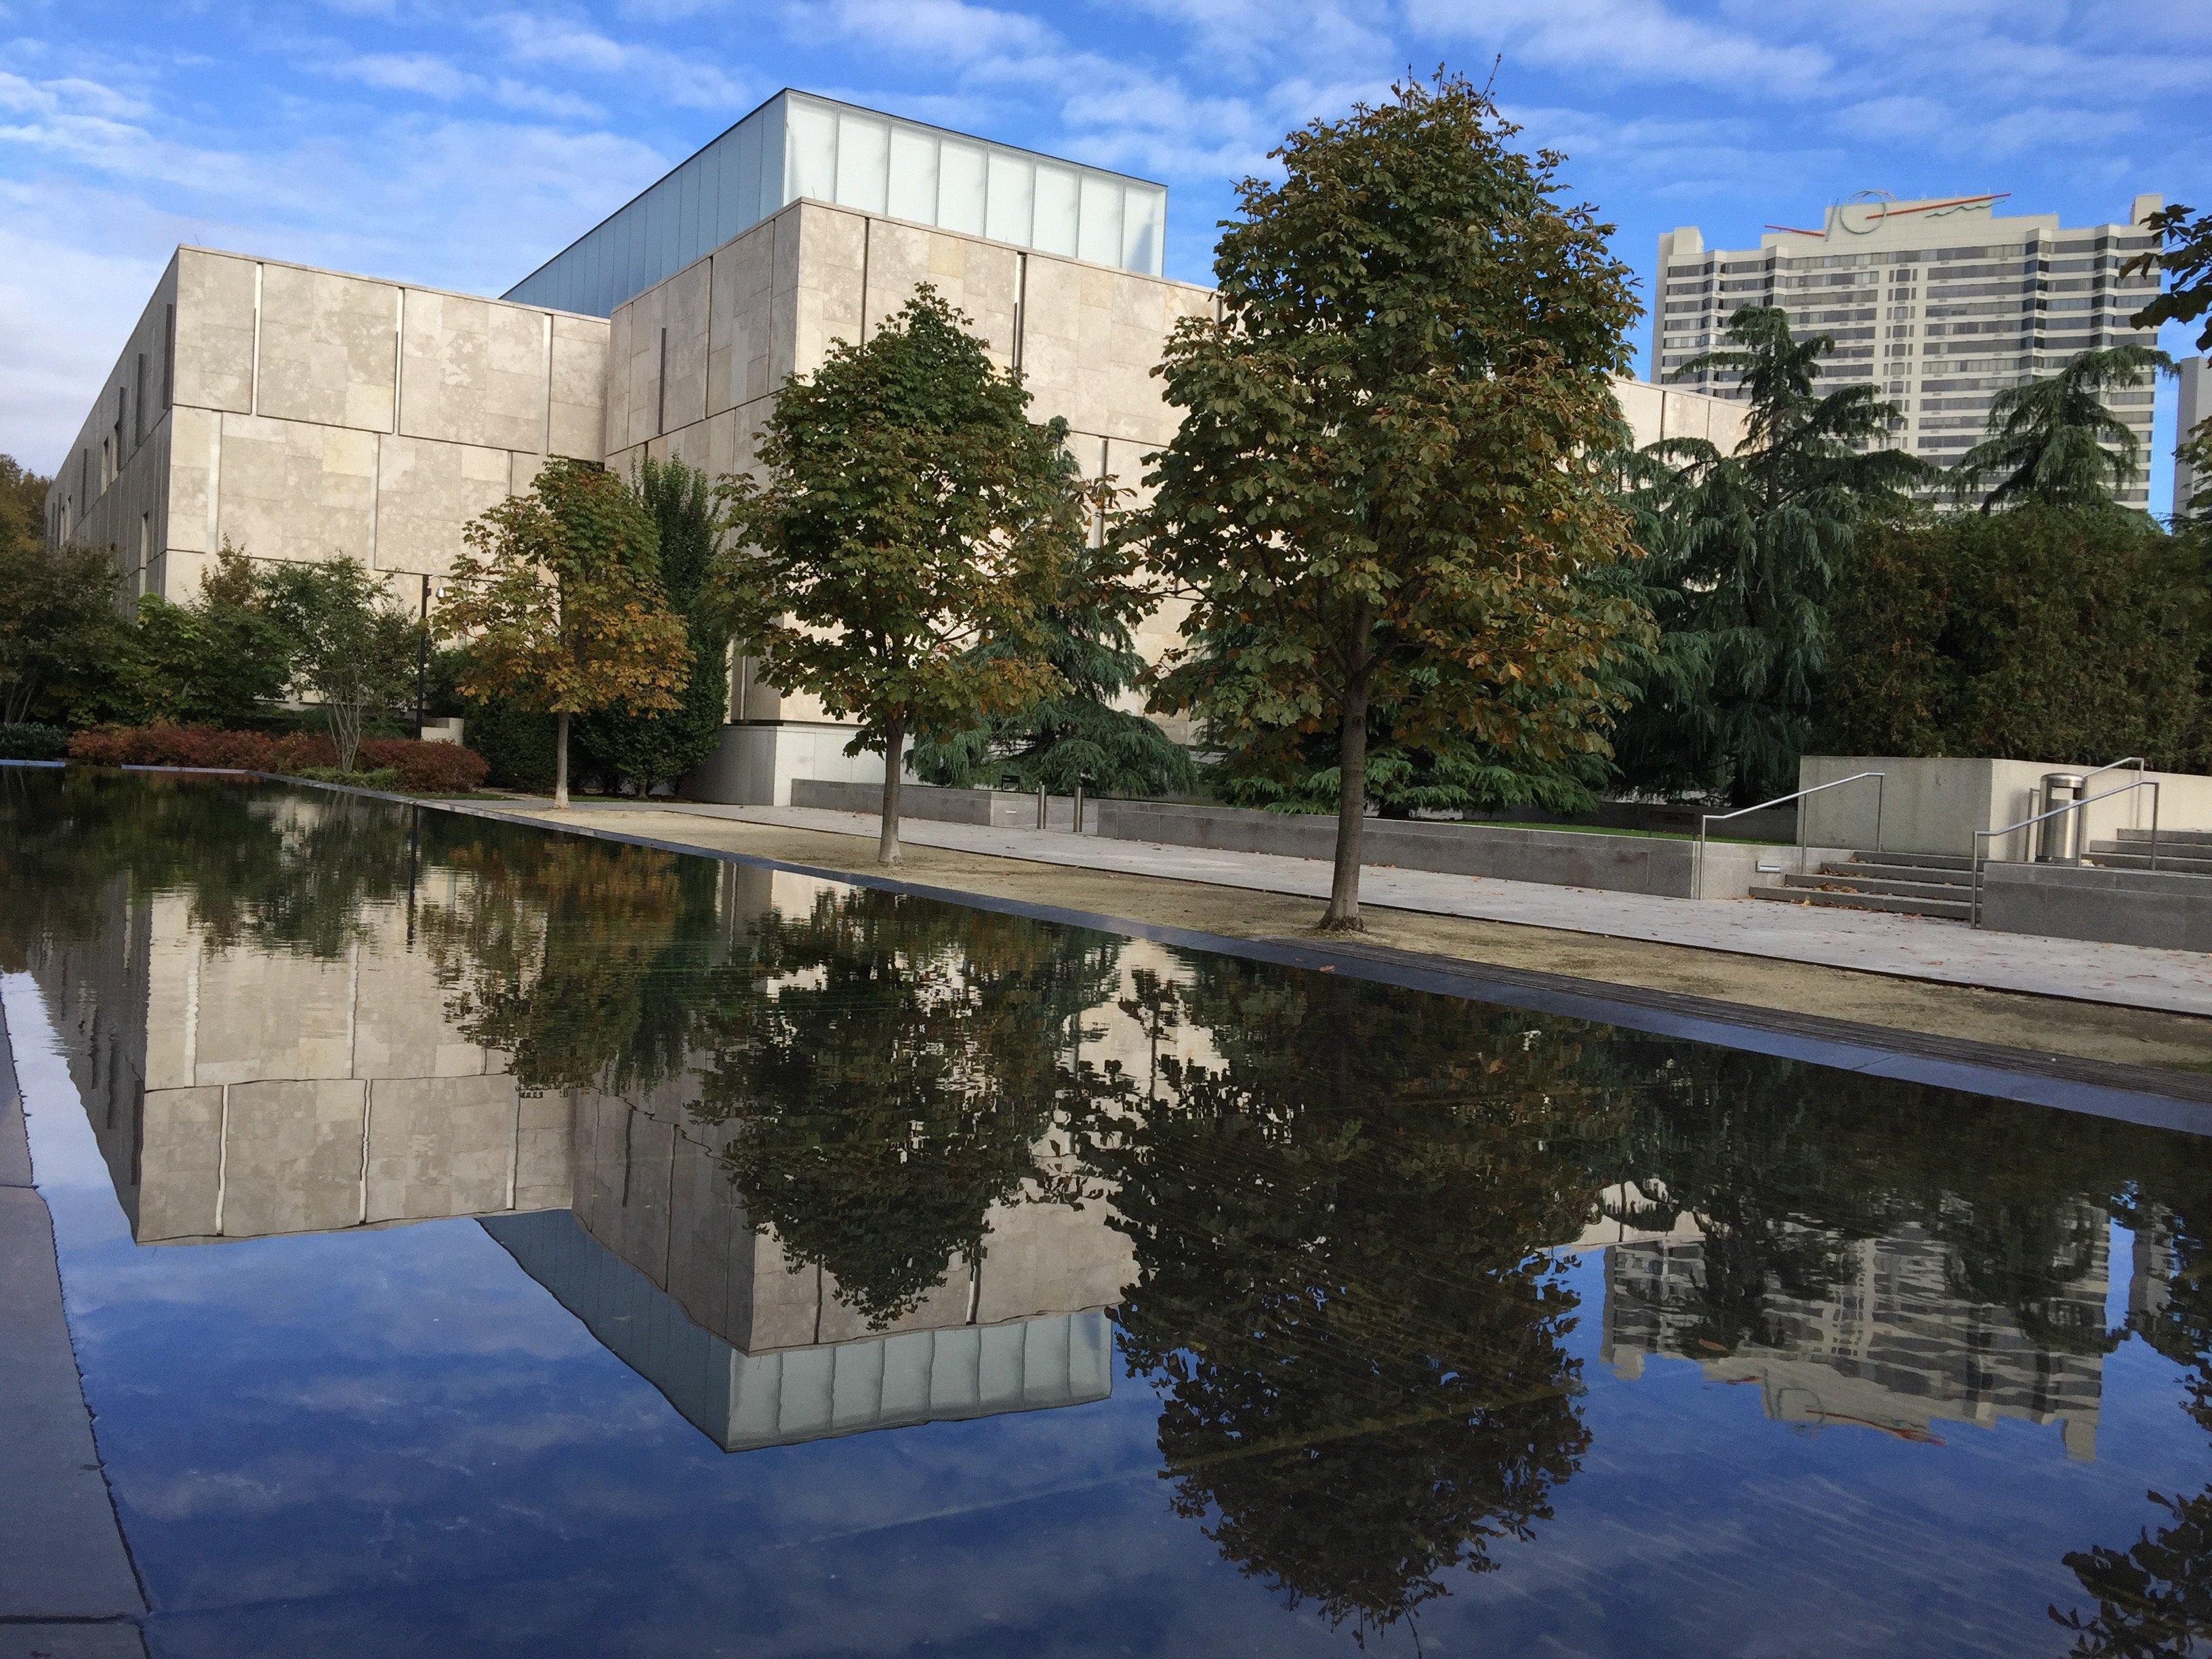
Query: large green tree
x: 1741, y: 549
x: 907, y: 529
x: 1385, y: 482
x: 2051, y: 440
x: 658, y: 746
x: 558, y: 600
x: 1074, y: 735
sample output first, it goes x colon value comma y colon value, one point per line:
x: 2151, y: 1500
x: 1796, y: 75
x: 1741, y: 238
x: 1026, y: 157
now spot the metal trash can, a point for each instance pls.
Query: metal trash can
x: 2058, y: 841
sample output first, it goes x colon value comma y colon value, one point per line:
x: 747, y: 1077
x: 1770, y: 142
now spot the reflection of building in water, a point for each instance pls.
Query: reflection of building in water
x: 1894, y: 1345
x: 758, y: 1349
x: 237, y: 1090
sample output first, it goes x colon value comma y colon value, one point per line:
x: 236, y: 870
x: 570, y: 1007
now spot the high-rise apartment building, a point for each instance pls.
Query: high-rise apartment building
x: 1941, y: 304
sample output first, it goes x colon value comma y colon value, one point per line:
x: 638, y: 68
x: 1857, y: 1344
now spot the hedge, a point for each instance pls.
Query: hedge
x: 428, y: 769
x: 2074, y: 635
x: 27, y: 740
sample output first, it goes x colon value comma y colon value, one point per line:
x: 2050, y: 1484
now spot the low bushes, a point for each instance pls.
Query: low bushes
x: 428, y: 769
x: 28, y: 740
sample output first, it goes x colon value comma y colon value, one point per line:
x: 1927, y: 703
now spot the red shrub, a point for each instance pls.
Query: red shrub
x: 429, y: 768
x: 441, y: 769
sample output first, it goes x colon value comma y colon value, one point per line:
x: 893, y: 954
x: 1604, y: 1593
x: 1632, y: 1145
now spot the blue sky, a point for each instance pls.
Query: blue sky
x: 459, y: 144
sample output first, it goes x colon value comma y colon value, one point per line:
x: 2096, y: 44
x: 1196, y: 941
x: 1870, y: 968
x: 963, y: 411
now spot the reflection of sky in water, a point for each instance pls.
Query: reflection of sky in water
x: 394, y: 1441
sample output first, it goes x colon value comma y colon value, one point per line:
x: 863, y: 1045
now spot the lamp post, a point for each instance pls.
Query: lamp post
x: 422, y: 657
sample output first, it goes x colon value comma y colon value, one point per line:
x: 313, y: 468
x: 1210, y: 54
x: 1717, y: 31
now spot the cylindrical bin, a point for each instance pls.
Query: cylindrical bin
x: 2058, y: 841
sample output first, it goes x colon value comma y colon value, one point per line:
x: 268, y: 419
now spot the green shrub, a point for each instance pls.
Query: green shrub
x: 382, y: 777
x: 517, y: 744
x: 2069, y: 634
x: 28, y: 740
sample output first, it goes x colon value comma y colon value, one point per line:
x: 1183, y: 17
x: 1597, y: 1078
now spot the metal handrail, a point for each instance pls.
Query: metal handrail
x: 1712, y: 819
x: 2136, y: 761
x: 1981, y: 836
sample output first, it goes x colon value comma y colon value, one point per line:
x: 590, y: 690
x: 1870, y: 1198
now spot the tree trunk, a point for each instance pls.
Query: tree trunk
x: 560, y: 758
x: 887, y: 848
x: 1343, y: 914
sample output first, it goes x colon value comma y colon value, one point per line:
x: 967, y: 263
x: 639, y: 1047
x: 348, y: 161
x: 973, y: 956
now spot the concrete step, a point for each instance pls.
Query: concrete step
x: 1846, y: 878
x: 1950, y: 909
x: 2187, y: 861
x: 2180, y: 837
x: 1917, y: 861
x: 1928, y: 875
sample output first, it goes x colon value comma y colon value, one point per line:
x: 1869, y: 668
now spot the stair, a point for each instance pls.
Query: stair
x: 1903, y: 883
x: 2185, y: 852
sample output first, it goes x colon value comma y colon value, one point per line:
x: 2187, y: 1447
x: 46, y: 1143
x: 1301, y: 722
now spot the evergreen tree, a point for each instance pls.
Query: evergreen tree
x: 658, y: 746
x: 1073, y: 735
x: 1740, y: 551
x: 2052, y: 440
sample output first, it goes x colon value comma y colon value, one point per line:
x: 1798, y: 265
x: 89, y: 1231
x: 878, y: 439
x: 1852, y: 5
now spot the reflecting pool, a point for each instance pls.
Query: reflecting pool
x: 478, y: 1240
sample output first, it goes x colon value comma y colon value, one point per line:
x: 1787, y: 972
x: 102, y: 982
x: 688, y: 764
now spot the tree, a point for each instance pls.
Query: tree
x: 1740, y: 551
x: 353, y: 648
x: 219, y: 658
x: 658, y: 746
x: 2051, y: 440
x: 1074, y: 735
x: 22, y: 505
x: 1385, y: 479
x: 2186, y: 260
x: 1461, y: 775
x: 911, y: 527
x: 62, y: 638
x: 558, y: 598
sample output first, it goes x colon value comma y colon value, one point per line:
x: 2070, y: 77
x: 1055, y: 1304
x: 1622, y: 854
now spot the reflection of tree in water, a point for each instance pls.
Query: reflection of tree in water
x: 273, y: 867
x: 2153, y: 1599
x: 581, y: 958
x: 890, y: 1067
x: 1341, y: 1293
x: 1783, y: 1166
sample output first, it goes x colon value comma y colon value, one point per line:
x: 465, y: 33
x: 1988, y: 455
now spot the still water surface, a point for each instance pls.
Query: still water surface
x: 481, y: 1241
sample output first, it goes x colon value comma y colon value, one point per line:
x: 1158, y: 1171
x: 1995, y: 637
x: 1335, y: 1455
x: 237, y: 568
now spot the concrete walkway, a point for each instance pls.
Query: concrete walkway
x: 67, y: 1586
x: 1913, y: 947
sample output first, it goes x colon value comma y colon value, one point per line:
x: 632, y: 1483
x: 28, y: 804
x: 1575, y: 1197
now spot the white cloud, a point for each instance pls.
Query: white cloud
x: 1631, y: 40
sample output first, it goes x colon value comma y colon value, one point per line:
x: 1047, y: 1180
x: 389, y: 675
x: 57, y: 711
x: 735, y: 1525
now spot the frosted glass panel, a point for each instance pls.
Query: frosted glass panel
x: 747, y: 192
x: 1144, y: 211
x: 810, y: 152
x: 960, y: 187
x: 773, y: 128
x: 1006, y: 214
x: 912, y: 193
x: 863, y: 144
x: 1101, y: 239
x: 1055, y: 209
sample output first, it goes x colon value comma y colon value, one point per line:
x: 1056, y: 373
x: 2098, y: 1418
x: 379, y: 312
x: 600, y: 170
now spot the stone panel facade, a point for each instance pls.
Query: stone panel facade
x: 304, y: 415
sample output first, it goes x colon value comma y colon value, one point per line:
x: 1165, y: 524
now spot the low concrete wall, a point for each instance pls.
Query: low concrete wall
x: 2118, y: 907
x: 994, y: 807
x: 1560, y: 858
x: 1937, y: 806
